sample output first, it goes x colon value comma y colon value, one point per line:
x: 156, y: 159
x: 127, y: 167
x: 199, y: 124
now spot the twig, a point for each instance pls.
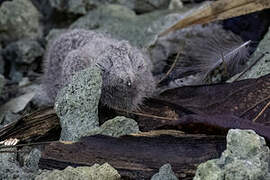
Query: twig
x: 171, y: 68
x: 262, y: 111
x: 146, y: 115
x: 252, y: 107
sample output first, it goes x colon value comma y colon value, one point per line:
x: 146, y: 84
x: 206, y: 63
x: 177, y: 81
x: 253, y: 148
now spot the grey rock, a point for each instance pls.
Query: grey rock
x: 95, y: 172
x: 140, y: 31
x: 18, y: 104
x: 165, y: 173
x: 19, y: 19
x: 23, y: 51
x: 246, y: 158
x: 117, y: 127
x: 32, y: 159
x: 7, y: 117
x: 2, y: 83
x: 144, y: 6
x: 80, y: 7
x: 2, y: 62
x: 77, y: 104
x: 176, y: 4
x: 262, y: 67
x: 9, y: 110
x: 20, y: 55
x: 10, y: 168
x: 70, y: 6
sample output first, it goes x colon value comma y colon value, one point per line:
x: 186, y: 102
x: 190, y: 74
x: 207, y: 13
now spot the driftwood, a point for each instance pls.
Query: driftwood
x: 138, y: 156
x: 219, y: 10
x: 42, y: 124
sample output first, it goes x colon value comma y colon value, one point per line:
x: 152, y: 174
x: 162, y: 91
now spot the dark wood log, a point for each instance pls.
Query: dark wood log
x: 136, y: 157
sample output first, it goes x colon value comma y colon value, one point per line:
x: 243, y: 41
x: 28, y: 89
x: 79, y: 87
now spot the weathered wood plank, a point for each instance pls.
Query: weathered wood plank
x: 136, y: 157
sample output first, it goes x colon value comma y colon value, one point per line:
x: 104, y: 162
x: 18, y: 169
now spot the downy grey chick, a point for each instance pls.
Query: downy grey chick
x: 127, y: 77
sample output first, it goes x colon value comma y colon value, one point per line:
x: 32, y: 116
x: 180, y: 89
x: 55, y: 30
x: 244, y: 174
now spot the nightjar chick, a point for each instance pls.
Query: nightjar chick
x: 127, y: 77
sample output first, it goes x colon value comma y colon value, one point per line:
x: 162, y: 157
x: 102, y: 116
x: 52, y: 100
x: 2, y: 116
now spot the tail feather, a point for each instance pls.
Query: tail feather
x: 207, y: 54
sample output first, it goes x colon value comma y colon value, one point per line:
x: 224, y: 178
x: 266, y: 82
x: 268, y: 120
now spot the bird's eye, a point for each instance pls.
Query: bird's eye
x: 140, y: 66
x: 129, y: 83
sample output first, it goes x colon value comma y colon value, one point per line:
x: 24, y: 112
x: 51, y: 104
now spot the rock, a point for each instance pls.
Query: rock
x: 19, y: 19
x: 262, y: 67
x: 144, y: 6
x: 95, y: 172
x: 8, y: 111
x: 7, y: 117
x: 70, y: 6
x: 10, y: 168
x: 116, y: 127
x: 246, y: 158
x: 2, y: 63
x: 140, y: 31
x: 165, y: 173
x: 77, y: 104
x: 176, y: 4
x: 2, y: 83
x: 80, y: 7
x: 18, y: 104
x: 24, y: 51
x: 32, y: 159
x: 21, y: 56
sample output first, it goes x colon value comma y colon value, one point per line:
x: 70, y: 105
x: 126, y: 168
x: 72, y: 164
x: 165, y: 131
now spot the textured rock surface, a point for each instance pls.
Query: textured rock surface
x: 2, y: 62
x: 144, y: 6
x: 176, y: 4
x: 116, y: 127
x: 165, y: 173
x: 10, y: 168
x: 21, y: 55
x: 70, y: 6
x: 263, y: 66
x: 77, y: 104
x: 83, y: 6
x: 95, y: 172
x: 19, y: 19
x: 23, y: 51
x: 246, y: 158
x: 140, y: 31
x: 32, y: 159
x: 2, y: 83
